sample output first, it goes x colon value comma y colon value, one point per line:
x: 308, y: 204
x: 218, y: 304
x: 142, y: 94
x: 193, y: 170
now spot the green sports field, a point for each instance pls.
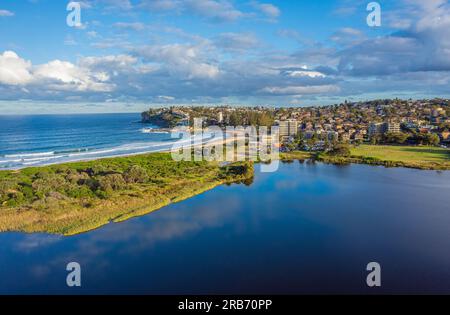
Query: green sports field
x: 420, y: 155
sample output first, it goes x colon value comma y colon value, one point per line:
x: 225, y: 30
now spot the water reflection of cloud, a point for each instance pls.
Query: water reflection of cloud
x: 330, y: 206
x: 316, y: 187
x: 135, y: 236
x: 31, y: 242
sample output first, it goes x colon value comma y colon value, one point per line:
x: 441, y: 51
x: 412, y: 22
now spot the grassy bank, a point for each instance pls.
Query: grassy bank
x: 76, y: 197
x: 296, y: 155
x: 428, y: 158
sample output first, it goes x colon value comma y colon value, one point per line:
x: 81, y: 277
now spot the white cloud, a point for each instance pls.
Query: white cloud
x: 300, y: 90
x: 186, y: 60
x: 166, y: 98
x: 114, y: 62
x: 270, y: 10
x: 187, y: 67
x: 215, y: 10
x: 6, y: 13
x: 305, y: 73
x: 63, y: 75
x: 422, y: 44
x: 55, y: 75
x: 13, y: 69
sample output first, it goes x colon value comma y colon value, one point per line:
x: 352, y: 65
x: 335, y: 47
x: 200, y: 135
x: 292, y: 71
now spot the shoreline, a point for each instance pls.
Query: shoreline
x: 443, y: 165
x: 291, y: 155
x: 68, y: 198
x: 73, y: 198
x: 206, y: 141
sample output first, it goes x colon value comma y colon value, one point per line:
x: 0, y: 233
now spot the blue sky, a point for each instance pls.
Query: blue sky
x: 129, y: 54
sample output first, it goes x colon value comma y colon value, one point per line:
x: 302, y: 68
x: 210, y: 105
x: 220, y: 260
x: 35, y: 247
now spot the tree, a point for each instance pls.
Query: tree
x: 396, y: 137
x: 375, y: 139
x: 265, y: 119
x: 427, y: 139
x: 431, y: 139
x: 234, y: 119
x: 341, y: 150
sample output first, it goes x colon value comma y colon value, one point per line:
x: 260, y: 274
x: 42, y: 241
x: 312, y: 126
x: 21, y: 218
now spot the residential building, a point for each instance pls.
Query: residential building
x: 288, y: 128
x: 382, y: 128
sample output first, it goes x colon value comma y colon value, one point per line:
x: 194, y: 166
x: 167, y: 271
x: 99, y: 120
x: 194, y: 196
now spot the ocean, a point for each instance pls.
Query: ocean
x: 37, y: 140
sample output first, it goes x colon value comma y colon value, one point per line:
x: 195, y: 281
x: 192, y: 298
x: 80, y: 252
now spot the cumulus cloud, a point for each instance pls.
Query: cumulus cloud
x: 188, y: 61
x: 65, y: 76
x: 110, y: 62
x: 55, y: 75
x: 423, y: 46
x: 174, y: 65
x: 269, y: 10
x: 13, y: 69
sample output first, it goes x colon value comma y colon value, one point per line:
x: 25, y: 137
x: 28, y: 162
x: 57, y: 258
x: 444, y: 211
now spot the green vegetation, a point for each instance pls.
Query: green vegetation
x: 340, y: 150
x: 295, y: 155
x: 212, y: 116
x: 242, y: 117
x: 432, y: 158
x: 76, y: 197
x: 430, y: 139
x: 396, y: 137
x: 162, y: 118
x: 420, y: 157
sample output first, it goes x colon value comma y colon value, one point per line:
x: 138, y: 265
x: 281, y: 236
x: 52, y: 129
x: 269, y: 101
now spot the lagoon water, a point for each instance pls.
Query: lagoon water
x: 307, y: 228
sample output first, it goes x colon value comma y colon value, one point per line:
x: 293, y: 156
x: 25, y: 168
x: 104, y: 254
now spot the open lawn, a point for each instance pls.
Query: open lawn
x: 422, y: 157
x: 295, y: 155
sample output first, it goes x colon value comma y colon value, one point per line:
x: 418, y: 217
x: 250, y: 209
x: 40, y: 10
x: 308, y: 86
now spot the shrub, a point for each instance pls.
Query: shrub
x: 76, y: 177
x: 96, y: 170
x: 15, y: 198
x: 111, y: 182
x: 5, y: 186
x: 47, y: 182
x: 136, y: 174
x: 76, y: 191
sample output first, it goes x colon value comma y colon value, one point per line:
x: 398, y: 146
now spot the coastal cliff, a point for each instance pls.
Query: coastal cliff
x: 164, y: 118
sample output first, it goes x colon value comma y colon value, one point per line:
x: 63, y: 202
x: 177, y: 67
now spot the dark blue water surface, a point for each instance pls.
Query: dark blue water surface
x: 45, y: 139
x: 307, y: 228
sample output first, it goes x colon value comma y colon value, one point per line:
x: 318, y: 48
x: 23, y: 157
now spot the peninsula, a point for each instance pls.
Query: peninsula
x: 77, y: 197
